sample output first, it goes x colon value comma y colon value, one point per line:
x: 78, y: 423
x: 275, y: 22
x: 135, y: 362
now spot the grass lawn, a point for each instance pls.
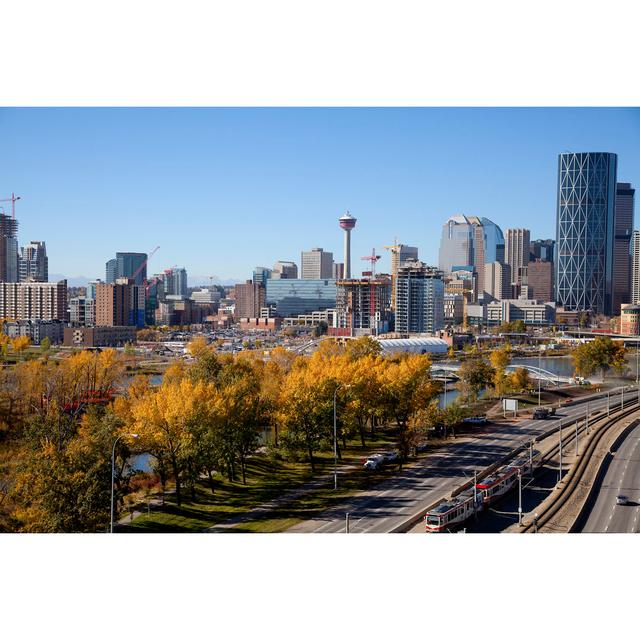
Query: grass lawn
x: 266, y: 480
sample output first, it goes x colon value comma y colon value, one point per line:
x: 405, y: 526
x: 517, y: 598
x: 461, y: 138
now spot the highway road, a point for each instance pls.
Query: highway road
x: 400, y: 495
x: 622, y: 477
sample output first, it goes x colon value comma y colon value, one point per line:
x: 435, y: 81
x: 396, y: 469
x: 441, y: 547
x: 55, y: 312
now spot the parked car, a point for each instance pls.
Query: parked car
x: 422, y: 446
x: 374, y: 462
x: 391, y: 456
x: 476, y: 420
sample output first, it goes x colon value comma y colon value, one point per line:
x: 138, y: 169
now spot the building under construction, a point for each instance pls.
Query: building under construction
x: 363, y: 307
x: 8, y: 249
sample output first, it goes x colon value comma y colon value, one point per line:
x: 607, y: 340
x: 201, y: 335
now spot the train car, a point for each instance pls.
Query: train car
x: 450, y: 514
x: 497, y: 484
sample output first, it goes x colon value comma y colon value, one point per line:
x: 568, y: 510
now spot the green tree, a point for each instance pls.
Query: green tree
x: 475, y: 374
x: 600, y: 354
x: 45, y: 345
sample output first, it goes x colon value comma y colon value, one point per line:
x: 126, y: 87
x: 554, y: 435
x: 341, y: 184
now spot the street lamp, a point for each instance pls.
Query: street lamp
x: 539, y: 370
x: 335, y: 436
x: 113, y: 469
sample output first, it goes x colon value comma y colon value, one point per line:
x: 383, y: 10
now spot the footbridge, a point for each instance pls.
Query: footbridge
x: 449, y: 370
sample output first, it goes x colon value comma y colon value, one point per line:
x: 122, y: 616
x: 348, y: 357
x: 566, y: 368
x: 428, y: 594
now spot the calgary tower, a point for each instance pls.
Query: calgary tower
x: 347, y: 222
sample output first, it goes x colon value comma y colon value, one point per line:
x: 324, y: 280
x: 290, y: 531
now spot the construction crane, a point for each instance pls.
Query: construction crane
x: 13, y: 199
x: 373, y: 258
x: 395, y: 255
x: 144, y: 264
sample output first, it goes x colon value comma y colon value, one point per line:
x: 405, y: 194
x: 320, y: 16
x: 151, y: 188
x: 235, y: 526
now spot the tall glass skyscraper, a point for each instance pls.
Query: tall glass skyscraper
x: 585, y: 231
x: 470, y: 241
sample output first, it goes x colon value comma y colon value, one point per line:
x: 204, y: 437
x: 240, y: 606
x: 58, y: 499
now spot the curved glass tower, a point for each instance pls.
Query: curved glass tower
x: 585, y: 231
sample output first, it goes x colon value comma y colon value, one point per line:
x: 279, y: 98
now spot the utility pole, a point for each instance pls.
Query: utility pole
x: 576, y: 438
x: 520, y: 498
x: 608, y: 392
x: 622, y: 401
x: 475, y: 493
x: 586, y: 420
x: 539, y: 371
x: 531, y: 457
x: 560, y: 448
x: 346, y: 524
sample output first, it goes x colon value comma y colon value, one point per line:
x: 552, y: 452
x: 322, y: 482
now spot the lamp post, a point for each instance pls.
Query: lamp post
x: 539, y: 371
x: 520, y: 497
x: 113, y: 469
x: 335, y: 436
x: 560, y: 449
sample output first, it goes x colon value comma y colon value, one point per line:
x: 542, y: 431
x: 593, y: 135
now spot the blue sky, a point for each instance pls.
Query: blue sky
x: 224, y: 190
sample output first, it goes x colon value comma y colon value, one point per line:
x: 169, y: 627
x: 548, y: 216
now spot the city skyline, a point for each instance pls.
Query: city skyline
x: 193, y: 180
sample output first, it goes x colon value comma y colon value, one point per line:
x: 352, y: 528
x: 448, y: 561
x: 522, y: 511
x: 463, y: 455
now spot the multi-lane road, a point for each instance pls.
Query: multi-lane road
x: 398, y: 497
x: 621, y: 478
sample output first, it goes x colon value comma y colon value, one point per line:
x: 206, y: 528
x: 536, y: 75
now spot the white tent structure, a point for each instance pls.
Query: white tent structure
x: 414, y: 345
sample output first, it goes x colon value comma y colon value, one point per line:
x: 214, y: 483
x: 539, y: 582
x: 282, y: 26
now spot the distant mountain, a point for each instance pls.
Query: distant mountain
x: 204, y: 281
x: 194, y: 281
x: 72, y: 281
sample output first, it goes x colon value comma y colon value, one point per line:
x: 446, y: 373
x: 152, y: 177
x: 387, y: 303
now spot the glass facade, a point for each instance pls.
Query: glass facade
x: 585, y: 231
x: 291, y: 298
x: 130, y: 263
x: 470, y: 240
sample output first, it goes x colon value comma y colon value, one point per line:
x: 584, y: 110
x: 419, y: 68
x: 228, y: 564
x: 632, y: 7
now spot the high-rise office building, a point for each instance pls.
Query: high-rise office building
x: 33, y: 263
x: 635, y: 267
x: 419, y: 298
x: 623, y: 228
x: 497, y: 280
x: 585, y: 231
x: 338, y: 271
x: 261, y: 275
x: 540, y: 280
x: 132, y: 265
x: 250, y: 298
x: 175, y: 282
x: 516, y: 253
x: 291, y: 298
x: 111, y: 271
x: 470, y: 241
x: 127, y: 265
x: 284, y: 270
x: 8, y: 249
x: 317, y: 264
x: 542, y: 250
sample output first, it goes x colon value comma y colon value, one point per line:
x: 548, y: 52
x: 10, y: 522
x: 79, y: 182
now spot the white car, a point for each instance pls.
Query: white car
x: 622, y: 500
x: 374, y: 462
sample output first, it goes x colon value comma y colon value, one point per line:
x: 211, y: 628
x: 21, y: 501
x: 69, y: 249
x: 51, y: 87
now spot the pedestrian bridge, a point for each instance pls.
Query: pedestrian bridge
x: 448, y: 370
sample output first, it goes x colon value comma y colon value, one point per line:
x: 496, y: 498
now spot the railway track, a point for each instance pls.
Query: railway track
x: 574, y: 479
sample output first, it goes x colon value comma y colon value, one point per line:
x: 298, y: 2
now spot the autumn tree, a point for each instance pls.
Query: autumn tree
x: 407, y: 388
x: 475, y: 374
x: 163, y: 418
x: 20, y: 344
x: 499, y: 359
x: 600, y: 354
